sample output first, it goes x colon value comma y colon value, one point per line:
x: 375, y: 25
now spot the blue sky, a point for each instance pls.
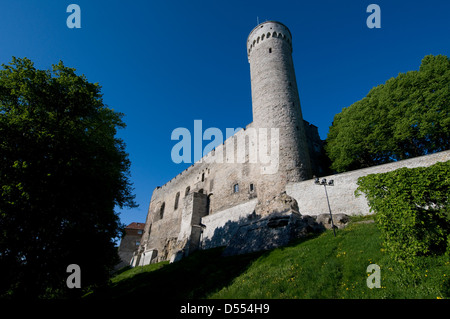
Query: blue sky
x: 165, y: 64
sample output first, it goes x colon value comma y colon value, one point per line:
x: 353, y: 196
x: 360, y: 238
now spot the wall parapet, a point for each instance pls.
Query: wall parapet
x: 312, y: 200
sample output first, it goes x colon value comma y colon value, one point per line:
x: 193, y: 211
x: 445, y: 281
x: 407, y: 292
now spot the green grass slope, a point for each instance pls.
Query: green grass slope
x: 321, y: 267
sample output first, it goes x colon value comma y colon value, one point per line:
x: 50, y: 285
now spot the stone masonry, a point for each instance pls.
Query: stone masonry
x: 223, y: 201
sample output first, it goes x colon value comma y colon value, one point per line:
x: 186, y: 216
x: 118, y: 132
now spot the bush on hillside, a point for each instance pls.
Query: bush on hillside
x: 412, y: 209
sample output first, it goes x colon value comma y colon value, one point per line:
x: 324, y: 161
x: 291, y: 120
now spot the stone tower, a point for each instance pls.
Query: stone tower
x: 276, y: 102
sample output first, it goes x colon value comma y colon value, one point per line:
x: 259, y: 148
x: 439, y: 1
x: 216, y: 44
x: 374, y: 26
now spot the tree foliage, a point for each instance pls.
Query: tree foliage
x: 412, y: 209
x: 408, y: 116
x: 62, y: 172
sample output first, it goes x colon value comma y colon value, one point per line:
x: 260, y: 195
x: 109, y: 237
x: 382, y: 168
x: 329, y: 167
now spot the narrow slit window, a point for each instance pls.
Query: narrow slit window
x: 270, y: 50
x: 177, y: 198
x: 161, y: 211
x: 235, y: 188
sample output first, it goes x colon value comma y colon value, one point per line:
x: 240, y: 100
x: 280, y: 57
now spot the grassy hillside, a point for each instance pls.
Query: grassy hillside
x: 321, y: 267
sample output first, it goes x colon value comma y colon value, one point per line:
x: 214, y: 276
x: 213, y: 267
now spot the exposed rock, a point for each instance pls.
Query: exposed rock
x: 281, y: 203
x: 339, y: 220
x: 278, y: 223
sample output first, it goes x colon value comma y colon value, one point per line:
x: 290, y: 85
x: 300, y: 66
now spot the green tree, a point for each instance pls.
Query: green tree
x: 62, y: 173
x: 408, y: 116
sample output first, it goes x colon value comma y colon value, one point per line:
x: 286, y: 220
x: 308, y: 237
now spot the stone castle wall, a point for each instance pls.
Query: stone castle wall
x: 218, y: 176
x: 217, y: 197
x: 312, y: 200
x: 214, y: 178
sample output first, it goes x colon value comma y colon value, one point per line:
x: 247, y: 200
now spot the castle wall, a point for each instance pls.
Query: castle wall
x: 320, y: 162
x: 215, y: 176
x: 221, y: 226
x: 206, y: 204
x: 229, y: 180
x: 312, y: 200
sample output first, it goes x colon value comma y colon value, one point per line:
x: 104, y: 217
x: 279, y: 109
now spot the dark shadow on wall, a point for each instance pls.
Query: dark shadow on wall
x: 224, y: 234
x: 258, y: 233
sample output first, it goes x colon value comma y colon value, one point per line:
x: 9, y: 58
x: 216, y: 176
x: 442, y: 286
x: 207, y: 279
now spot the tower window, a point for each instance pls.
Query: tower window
x: 186, y: 192
x: 235, y: 188
x: 161, y: 210
x: 203, y: 177
x: 270, y: 50
x: 252, y: 187
x: 177, y: 198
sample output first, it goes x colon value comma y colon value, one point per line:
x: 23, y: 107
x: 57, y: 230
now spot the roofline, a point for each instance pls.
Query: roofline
x: 138, y: 226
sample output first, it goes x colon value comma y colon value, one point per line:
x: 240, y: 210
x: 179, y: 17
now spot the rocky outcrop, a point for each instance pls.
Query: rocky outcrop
x: 276, y: 224
x: 339, y: 220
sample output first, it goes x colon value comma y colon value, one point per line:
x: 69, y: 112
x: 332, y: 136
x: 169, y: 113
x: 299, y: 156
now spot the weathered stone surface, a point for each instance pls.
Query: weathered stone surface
x: 269, y: 232
x: 281, y: 203
x: 339, y: 220
x: 278, y: 223
x: 221, y: 226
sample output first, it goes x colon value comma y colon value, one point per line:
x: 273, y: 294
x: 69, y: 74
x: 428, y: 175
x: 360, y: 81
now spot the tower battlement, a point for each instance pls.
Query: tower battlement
x: 265, y: 31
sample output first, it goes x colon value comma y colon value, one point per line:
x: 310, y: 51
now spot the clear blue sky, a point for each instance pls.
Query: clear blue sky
x: 167, y: 63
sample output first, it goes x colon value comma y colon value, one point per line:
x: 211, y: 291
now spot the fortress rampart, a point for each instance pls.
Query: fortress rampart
x: 227, y: 193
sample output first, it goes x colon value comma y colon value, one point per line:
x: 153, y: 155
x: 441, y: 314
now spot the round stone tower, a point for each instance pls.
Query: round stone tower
x: 275, y: 99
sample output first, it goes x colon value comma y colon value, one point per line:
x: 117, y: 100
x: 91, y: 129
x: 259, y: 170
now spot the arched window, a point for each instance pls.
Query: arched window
x: 274, y: 34
x: 186, y: 192
x: 161, y: 210
x: 235, y: 188
x: 177, y: 198
x: 268, y: 35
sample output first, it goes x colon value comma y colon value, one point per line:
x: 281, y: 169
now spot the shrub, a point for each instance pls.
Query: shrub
x: 412, y: 209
